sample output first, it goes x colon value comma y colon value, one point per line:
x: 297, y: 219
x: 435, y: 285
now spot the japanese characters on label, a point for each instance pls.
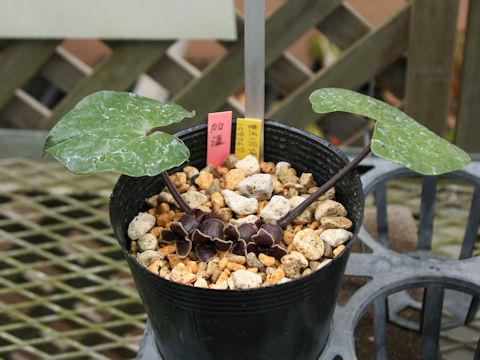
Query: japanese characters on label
x: 219, y: 137
x: 248, y: 137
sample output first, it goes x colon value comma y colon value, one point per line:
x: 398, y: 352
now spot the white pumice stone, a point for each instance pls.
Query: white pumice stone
x: 335, y: 237
x: 309, y: 244
x: 240, y: 204
x: 276, y: 209
x: 281, y: 164
x: 165, y: 196
x: 244, y: 279
x: 306, y: 216
x: 249, y: 165
x: 293, y: 264
x: 329, y: 208
x: 140, y: 225
x: 147, y: 242
x: 258, y: 186
x: 146, y: 258
x: 249, y: 219
x: 194, y: 199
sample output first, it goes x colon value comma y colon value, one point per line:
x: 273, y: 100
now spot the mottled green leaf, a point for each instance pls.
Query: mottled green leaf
x: 116, y: 131
x: 397, y: 137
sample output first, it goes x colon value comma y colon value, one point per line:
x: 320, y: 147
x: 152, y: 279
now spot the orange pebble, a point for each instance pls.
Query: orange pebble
x: 166, y: 250
x: 266, y: 260
x: 234, y: 266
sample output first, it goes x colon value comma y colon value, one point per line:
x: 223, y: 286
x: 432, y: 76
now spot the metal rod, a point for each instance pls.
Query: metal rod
x: 255, y: 62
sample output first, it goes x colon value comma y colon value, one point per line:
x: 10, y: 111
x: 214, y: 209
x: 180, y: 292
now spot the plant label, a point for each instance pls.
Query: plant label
x: 248, y: 137
x: 219, y: 137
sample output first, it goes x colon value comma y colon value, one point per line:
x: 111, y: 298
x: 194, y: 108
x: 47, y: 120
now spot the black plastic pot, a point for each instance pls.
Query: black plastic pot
x: 287, y: 321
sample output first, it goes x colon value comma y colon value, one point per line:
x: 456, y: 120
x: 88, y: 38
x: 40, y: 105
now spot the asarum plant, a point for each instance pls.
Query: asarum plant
x: 117, y: 131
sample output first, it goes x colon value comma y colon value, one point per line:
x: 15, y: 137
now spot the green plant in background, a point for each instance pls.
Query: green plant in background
x: 116, y: 131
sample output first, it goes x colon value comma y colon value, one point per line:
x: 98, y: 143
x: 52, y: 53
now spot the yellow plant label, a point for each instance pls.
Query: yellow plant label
x: 248, y: 137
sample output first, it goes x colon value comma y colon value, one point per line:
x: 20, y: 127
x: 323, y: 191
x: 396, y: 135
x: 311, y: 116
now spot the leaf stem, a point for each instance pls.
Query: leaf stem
x: 283, y: 222
x: 176, y: 195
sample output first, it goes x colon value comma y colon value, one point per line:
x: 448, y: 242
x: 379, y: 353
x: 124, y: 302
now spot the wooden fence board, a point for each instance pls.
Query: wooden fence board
x: 24, y: 111
x: 19, y: 61
x: 430, y: 61
x: 225, y: 76
x: 118, y: 72
x: 393, y: 77
x: 469, y: 108
x: 286, y: 74
x: 65, y: 70
x: 344, y: 26
x: 368, y: 56
x: 173, y: 73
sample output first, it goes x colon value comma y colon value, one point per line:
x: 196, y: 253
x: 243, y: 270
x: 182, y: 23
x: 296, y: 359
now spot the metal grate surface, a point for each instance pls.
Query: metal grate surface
x: 65, y: 290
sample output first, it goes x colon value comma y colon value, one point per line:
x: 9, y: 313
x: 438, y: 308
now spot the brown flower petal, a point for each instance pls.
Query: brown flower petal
x: 206, y: 252
x: 183, y: 247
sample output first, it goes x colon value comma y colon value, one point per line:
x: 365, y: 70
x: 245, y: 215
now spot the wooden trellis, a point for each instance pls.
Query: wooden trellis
x: 422, y: 78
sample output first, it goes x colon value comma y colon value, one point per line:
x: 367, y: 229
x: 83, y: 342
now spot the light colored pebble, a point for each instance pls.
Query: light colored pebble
x: 306, y: 180
x: 239, y: 259
x: 167, y: 250
x: 217, y: 200
x: 288, y: 236
x: 328, y: 253
x: 306, y: 272
x: 309, y: 244
x: 231, y: 283
x: 280, y: 165
x: 287, y: 177
x: 277, y: 185
x: 338, y: 250
x: 329, y: 208
x: 140, y: 225
x: 315, y: 265
x: 246, y: 280
x: 336, y: 222
x: 165, y: 273
x: 152, y: 201
x: 223, y: 263
x: 293, y: 264
x: 306, y: 216
x: 153, y: 267
x: 225, y: 213
x: 253, y: 261
x: 250, y: 219
x: 146, y: 258
x: 258, y: 186
x: 165, y: 196
x: 182, y: 274
x: 240, y: 204
x: 147, y: 242
x: 194, y: 199
x: 233, y: 266
x: 335, y: 237
x: 284, y: 280
x: 277, y: 208
x: 201, y: 283
x: 249, y: 165
x: 221, y: 285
